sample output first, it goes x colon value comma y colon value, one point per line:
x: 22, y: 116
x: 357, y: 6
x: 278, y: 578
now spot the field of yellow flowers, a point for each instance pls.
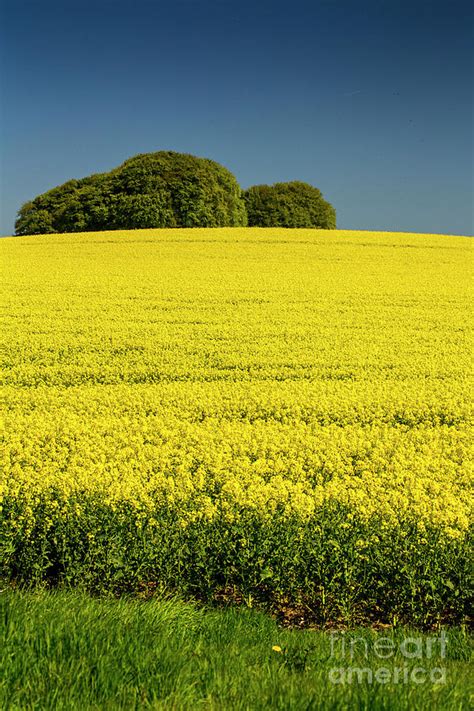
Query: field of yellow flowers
x: 260, y: 414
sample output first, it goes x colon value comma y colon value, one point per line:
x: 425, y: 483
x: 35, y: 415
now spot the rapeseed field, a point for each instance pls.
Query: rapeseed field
x: 241, y: 413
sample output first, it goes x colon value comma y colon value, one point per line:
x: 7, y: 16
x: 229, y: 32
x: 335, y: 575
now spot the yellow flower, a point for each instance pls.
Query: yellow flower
x: 217, y: 372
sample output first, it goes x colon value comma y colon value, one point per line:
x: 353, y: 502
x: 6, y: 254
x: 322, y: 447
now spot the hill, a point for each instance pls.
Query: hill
x: 280, y: 414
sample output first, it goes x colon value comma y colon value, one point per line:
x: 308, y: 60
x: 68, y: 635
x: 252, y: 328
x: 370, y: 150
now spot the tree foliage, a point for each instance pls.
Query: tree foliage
x: 169, y: 189
x: 164, y: 189
x: 294, y: 204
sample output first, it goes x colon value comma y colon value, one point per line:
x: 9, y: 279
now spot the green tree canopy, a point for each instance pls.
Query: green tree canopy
x: 164, y: 189
x: 293, y: 204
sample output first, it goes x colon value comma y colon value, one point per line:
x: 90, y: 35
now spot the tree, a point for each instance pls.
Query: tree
x: 33, y: 220
x: 164, y: 189
x: 294, y: 204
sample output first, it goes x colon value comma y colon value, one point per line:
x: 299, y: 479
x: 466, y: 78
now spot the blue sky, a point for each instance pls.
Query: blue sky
x: 372, y: 102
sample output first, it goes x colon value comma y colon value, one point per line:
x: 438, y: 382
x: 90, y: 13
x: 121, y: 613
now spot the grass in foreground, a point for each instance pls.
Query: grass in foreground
x: 65, y: 650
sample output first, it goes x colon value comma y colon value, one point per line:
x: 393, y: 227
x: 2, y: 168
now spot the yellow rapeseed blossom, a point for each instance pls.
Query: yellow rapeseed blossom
x: 223, y: 370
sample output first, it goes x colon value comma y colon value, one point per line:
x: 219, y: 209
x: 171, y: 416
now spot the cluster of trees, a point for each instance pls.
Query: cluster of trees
x: 294, y: 204
x: 169, y: 189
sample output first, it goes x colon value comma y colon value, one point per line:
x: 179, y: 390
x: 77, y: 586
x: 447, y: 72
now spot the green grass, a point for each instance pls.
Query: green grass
x: 65, y: 650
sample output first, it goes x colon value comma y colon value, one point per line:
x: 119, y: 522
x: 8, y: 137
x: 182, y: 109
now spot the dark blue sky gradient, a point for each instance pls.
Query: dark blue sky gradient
x: 372, y: 102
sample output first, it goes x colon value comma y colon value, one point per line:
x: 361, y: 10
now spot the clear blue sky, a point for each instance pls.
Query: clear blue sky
x: 370, y: 101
